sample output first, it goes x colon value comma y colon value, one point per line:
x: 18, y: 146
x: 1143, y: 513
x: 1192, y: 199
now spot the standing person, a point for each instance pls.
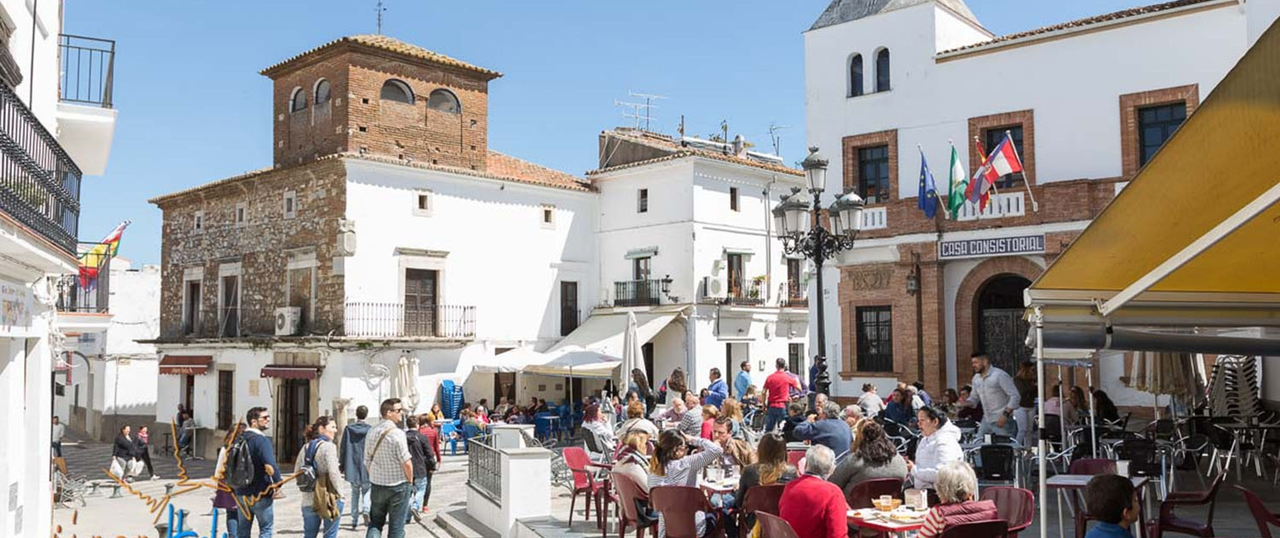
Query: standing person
x: 386, y: 454
x: 814, y: 507
x: 673, y: 465
x: 743, y: 380
x: 776, y: 392
x: 677, y: 383
x: 432, y: 435
x: 142, y: 442
x: 256, y: 496
x: 718, y: 390
x: 813, y: 383
x: 870, y: 402
x: 59, y: 431
x: 222, y: 498
x: 322, y: 455
x: 424, y: 463
x: 998, y: 395
x: 123, y: 452
x: 1025, y: 414
x: 827, y: 429
x: 351, y: 463
x: 640, y: 384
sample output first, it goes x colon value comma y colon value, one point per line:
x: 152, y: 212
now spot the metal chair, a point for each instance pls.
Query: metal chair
x: 1144, y: 460
x: 1053, y: 437
x: 772, y: 526
x: 757, y: 499
x: 1261, y: 516
x: 999, y: 465
x: 1015, y: 505
x: 996, y: 528
x: 679, y: 505
x: 67, y: 490
x: 1170, y: 522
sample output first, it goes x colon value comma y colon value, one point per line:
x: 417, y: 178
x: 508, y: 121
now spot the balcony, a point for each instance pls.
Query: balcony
x: 396, y: 320
x: 1009, y: 204
x: 86, y: 116
x: 745, y: 294
x: 39, y: 183
x: 637, y: 293
x: 792, y: 296
x: 875, y: 218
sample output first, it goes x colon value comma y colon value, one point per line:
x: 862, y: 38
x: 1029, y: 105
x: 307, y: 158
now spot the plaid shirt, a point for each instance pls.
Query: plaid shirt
x: 386, y: 467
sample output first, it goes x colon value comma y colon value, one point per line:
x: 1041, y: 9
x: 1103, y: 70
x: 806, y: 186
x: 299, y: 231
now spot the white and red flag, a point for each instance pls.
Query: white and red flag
x: 1002, y: 161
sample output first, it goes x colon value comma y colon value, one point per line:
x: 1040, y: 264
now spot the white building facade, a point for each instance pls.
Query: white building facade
x: 1086, y: 103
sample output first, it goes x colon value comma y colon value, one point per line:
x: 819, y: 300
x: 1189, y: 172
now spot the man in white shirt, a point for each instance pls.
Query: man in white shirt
x: 59, y: 430
x: 995, y: 390
x: 386, y: 454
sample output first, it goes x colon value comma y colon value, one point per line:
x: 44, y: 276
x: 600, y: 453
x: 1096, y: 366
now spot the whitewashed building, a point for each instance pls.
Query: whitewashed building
x: 1086, y: 102
x: 56, y: 127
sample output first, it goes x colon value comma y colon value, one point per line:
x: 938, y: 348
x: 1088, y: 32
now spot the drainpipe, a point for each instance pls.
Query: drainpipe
x: 768, y: 241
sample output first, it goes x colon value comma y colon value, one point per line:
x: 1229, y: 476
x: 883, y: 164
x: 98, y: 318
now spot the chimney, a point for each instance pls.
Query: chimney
x: 739, y: 146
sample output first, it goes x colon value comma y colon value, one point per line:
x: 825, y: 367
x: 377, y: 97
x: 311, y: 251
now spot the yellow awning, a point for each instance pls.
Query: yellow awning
x: 1195, y: 237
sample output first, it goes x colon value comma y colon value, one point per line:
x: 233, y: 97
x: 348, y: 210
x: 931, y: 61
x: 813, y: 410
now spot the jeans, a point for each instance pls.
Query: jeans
x: 1026, y: 418
x: 1009, y: 430
x: 311, y: 522
x: 389, y: 507
x: 420, y: 486
x: 57, y: 449
x: 261, y: 511
x: 359, y: 501
x: 773, y: 417
x: 232, y: 522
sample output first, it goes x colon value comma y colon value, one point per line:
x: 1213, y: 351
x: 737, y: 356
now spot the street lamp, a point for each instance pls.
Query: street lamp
x: 799, y: 223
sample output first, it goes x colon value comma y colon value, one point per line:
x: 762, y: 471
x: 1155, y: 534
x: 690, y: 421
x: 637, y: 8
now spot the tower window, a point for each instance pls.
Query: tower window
x: 322, y: 92
x: 855, y: 75
x: 298, y: 101
x: 395, y: 90
x: 882, y: 70
x: 444, y: 101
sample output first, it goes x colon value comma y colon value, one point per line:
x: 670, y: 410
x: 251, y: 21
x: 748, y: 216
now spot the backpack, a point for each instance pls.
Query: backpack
x: 239, y: 470
x: 306, y: 478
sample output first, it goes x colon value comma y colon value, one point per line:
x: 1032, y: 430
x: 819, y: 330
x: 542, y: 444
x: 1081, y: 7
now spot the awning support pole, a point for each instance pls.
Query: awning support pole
x: 1197, y: 247
x: 1093, y: 412
x: 1044, y: 472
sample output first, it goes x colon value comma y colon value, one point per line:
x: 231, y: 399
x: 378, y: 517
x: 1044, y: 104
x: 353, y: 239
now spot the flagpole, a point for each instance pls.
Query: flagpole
x: 1026, y: 182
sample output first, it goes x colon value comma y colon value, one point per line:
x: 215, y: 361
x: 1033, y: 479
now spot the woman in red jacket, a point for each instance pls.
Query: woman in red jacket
x: 957, y: 486
x: 814, y: 507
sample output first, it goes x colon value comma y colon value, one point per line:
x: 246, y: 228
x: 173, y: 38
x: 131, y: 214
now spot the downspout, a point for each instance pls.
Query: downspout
x: 768, y: 241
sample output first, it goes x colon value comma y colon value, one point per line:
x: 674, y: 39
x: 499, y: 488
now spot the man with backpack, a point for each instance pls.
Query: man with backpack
x: 252, y: 472
x: 424, y: 463
x: 351, y: 463
x: 390, y: 472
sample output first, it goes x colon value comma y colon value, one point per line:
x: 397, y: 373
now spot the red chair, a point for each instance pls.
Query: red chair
x: 1170, y: 522
x: 794, y: 457
x: 1016, y: 506
x: 757, y: 499
x: 1089, y: 466
x: 772, y: 526
x: 584, y: 480
x: 996, y: 528
x: 629, y: 492
x: 1263, y: 517
x: 678, y: 505
x: 861, y: 494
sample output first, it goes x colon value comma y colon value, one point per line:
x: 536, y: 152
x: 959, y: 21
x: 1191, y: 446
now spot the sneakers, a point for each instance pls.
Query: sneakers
x: 155, y: 477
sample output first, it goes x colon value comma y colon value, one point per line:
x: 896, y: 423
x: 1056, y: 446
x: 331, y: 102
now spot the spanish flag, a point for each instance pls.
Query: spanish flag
x: 91, y: 260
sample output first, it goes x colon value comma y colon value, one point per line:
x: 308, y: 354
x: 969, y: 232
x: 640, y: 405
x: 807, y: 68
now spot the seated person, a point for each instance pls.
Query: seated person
x: 1112, y: 502
x: 636, y: 421
x: 814, y: 507
x: 956, y: 486
x: 672, y: 414
x: 795, y: 417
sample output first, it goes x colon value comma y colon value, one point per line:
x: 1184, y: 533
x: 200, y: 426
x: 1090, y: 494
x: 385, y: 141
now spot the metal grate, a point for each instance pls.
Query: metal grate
x: 88, y: 69
x: 398, y: 320
x: 484, y: 467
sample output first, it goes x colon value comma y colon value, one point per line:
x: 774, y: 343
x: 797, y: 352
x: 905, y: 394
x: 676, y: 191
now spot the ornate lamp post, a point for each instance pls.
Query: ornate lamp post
x: 799, y: 224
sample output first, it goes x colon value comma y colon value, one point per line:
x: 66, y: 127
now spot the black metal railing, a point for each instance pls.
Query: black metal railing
x: 792, y: 296
x: 39, y: 183
x: 637, y: 293
x: 91, y: 294
x: 568, y: 320
x: 484, y: 467
x: 88, y: 69
x: 749, y: 293
x: 397, y: 320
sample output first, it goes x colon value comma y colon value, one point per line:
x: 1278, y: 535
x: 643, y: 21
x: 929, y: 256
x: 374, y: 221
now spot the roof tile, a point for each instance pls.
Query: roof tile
x: 388, y: 44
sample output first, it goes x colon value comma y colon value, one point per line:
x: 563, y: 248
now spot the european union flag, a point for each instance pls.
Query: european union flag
x: 928, y: 195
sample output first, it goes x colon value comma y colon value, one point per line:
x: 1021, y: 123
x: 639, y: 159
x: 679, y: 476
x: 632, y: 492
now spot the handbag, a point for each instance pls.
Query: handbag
x: 115, y: 467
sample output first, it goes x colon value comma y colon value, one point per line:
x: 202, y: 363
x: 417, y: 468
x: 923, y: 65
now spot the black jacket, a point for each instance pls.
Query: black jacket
x: 419, y: 453
x: 124, y: 448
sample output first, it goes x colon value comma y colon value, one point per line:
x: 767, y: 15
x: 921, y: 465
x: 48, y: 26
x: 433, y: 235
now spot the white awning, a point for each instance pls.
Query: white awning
x: 577, y: 362
x: 512, y: 361
x: 603, y: 332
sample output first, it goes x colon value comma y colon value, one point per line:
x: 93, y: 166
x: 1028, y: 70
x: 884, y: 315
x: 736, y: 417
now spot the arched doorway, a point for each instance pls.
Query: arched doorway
x: 1002, y: 329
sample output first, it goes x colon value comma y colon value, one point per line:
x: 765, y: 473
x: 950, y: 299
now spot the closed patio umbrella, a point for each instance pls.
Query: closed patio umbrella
x: 406, y: 385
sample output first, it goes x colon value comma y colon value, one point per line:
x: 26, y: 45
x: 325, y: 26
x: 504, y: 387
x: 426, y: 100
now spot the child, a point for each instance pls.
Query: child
x: 1111, y: 500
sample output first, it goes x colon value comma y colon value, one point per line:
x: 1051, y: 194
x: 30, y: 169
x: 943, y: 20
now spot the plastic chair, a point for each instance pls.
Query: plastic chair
x: 1263, y: 517
x: 584, y: 481
x: 861, y: 494
x: 1170, y: 522
x: 996, y: 528
x: 1016, y: 506
x: 446, y: 430
x: 542, y: 426
x: 999, y: 465
x: 1090, y: 466
x: 772, y: 526
x: 757, y: 499
x: 628, y: 493
x: 794, y: 457
x: 678, y: 505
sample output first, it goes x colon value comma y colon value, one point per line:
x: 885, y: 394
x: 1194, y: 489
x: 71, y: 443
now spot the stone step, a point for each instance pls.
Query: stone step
x: 458, y: 524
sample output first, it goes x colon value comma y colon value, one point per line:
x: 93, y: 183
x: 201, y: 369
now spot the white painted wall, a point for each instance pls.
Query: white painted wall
x: 1262, y: 15
x: 39, y: 87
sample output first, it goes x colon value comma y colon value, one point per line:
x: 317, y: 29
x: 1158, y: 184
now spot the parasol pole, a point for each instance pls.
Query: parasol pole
x: 1093, y: 412
x: 1044, y: 473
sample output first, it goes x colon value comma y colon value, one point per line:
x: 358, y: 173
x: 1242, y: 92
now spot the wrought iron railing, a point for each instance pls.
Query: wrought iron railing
x: 637, y: 293
x: 88, y: 69
x: 484, y: 467
x: 394, y: 320
x: 90, y: 294
x: 568, y: 320
x: 749, y: 293
x: 792, y: 296
x: 39, y: 184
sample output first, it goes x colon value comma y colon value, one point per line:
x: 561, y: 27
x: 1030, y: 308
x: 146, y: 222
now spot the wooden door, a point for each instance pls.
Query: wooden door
x: 293, y: 414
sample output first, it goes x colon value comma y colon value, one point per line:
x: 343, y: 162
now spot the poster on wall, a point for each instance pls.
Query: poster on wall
x: 15, y: 309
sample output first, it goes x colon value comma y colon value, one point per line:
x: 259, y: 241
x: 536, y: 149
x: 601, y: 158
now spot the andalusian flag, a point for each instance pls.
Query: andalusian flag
x: 91, y: 260
x: 959, y: 182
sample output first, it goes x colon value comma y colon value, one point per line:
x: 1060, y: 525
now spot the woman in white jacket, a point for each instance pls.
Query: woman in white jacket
x: 939, y: 445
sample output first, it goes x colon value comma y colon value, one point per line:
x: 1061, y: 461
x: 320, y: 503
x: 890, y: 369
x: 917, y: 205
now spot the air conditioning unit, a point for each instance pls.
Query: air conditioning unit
x: 712, y: 286
x: 288, y: 320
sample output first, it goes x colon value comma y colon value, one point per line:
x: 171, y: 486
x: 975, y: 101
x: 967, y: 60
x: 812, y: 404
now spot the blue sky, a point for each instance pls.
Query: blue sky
x: 193, y: 108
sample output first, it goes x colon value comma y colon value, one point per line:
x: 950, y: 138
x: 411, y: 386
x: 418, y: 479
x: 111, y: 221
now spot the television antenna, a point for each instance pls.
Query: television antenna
x: 776, y: 138
x: 380, y: 9
x: 640, y: 112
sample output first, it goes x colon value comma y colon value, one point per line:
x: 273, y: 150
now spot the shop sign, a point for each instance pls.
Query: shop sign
x: 992, y: 246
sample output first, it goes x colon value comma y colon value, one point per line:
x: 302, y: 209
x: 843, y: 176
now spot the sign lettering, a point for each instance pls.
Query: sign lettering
x: 995, y: 246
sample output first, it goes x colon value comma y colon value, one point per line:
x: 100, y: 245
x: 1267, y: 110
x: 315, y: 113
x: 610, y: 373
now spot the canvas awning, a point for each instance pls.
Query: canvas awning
x: 595, y: 348
x: 1192, y: 241
x: 290, y: 372
x: 577, y: 362
x: 185, y: 364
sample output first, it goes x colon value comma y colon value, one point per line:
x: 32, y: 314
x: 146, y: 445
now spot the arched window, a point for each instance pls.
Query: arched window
x: 395, y: 90
x: 322, y: 92
x: 855, y: 75
x: 298, y: 101
x: 882, y: 70
x: 444, y: 101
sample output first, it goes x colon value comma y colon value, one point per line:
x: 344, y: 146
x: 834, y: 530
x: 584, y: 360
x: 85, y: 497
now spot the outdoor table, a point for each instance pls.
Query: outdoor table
x: 1071, y: 483
x: 728, y: 485
x: 892, y: 527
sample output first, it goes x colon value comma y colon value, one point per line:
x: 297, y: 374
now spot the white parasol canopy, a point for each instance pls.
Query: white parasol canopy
x: 579, y: 362
x: 406, y: 386
x: 632, y: 355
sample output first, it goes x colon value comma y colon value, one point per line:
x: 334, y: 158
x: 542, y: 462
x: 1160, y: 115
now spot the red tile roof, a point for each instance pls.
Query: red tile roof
x: 678, y: 151
x: 507, y: 167
x: 386, y: 44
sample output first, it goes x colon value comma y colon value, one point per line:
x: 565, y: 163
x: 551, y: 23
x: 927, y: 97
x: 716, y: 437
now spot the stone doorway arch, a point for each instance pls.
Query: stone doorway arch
x: 999, y: 271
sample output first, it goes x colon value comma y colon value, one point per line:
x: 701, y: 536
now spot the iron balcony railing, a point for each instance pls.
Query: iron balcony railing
x: 792, y: 296
x: 637, y: 293
x: 398, y: 320
x: 89, y: 294
x: 39, y: 184
x: 745, y: 294
x: 88, y: 69
x: 484, y: 467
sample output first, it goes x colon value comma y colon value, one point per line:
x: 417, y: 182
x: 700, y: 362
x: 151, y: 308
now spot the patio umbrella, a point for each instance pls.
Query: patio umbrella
x: 632, y: 355
x: 406, y: 386
x: 577, y: 362
x: 1163, y: 372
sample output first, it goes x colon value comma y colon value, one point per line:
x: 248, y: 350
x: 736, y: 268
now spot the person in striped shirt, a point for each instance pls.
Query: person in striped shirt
x: 957, y: 486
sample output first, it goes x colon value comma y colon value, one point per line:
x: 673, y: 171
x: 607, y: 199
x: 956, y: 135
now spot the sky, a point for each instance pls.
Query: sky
x: 193, y: 108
